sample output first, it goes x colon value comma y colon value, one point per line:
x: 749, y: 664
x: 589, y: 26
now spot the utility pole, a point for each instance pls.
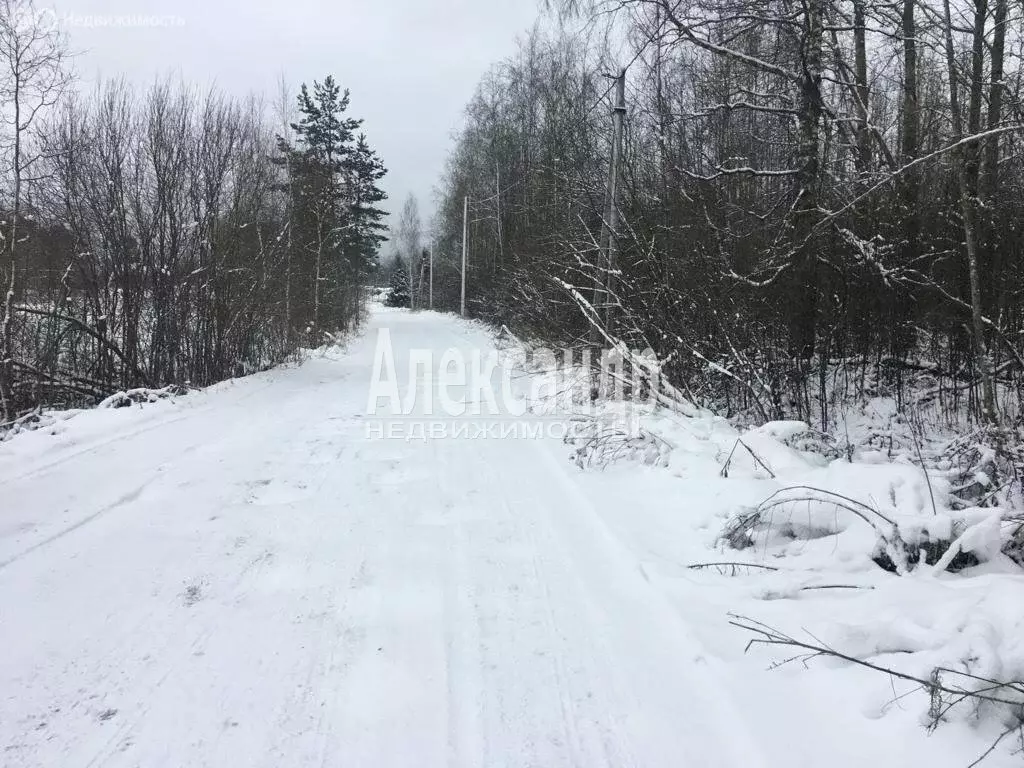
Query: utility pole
x: 465, y: 234
x: 603, y: 288
x: 430, y: 294
x: 618, y: 113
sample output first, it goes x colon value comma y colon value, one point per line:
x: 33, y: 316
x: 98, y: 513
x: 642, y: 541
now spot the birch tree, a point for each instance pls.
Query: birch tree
x: 33, y: 75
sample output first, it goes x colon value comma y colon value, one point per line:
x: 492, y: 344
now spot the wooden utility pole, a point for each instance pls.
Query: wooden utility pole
x: 618, y: 115
x: 604, y: 287
x: 465, y: 234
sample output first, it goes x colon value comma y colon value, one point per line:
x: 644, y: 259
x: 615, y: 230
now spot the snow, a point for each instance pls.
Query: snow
x: 251, y: 575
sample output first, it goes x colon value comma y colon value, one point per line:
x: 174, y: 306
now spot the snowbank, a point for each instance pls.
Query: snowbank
x: 850, y: 549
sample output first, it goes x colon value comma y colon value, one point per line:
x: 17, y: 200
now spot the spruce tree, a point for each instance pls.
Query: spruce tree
x: 398, y: 295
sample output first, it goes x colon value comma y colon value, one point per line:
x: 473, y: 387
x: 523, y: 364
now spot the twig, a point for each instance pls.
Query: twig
x: 992, y: 747
x: 837, y: 586
x: 725, y: 467
x: 758, y: 459
x: 732, y: 565
x: 920, y: 458
x: 767, y: 635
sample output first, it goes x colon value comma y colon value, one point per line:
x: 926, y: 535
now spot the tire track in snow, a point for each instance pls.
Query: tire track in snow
x: 536, y: 676
x: 120, y: 502
x: 587, y: 684
x: 240, y: 589
x: 70, y: 454
x: 127, y: 667
x: 626, y: 597
x: 463, y: 677
x: 474, y: 615
x: 183, y: 455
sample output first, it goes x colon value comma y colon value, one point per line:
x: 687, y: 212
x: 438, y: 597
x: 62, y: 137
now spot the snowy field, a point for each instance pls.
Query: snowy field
x: 248, y: 576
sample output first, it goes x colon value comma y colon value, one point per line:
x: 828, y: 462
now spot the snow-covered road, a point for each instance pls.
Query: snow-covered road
x: 247, y: 577
x: 257, y: 581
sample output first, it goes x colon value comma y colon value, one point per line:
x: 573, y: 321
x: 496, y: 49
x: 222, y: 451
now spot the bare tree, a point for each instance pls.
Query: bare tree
x: 967, y: 168
x: 803, y: 213
x: 284, y: 111
x: 33, y: 75
x: 410, y: 239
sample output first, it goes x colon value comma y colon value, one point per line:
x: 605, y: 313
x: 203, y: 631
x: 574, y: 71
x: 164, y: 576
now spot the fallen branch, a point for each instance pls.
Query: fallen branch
x: 1007, y: 693
x: 731, y: 565
x: 664, y: 393
x: 767, y: 635
x: 858, y: 508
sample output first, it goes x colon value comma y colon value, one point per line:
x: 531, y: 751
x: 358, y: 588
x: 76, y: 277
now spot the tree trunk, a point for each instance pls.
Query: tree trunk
x: 995, y: 99
x: 966, y: 175
x: 908, y: 185
x: 806, y: 210
x: 860, y: 64
x: 7, y: 405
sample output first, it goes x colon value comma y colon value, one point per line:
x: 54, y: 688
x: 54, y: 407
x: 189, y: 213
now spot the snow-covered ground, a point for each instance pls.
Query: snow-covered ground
x: 253, y: 576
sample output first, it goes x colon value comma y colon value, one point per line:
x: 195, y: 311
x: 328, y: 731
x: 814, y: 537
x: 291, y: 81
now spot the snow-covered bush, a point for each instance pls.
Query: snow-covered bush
x: 141, y: 395
x: 599, y: 443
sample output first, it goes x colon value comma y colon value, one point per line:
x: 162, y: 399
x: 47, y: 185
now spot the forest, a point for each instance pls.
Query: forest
x: 817, y: 202
x: 170, y: 236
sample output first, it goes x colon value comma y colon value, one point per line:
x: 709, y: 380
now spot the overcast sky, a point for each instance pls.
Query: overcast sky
x: 411, y: 64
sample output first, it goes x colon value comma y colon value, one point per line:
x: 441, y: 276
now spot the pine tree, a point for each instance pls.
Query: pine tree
x: 322, y: 130
x: 336, y: 226
x: 367, y: 232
